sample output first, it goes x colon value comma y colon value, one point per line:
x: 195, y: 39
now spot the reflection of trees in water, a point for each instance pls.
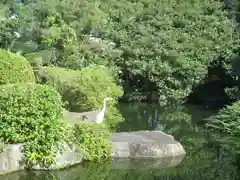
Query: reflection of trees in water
x: 201, y: 166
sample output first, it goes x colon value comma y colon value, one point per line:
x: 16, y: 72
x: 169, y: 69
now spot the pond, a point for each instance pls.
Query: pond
x: 202, y: 162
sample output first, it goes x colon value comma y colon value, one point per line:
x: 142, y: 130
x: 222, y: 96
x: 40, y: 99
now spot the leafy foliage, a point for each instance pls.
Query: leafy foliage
x: 162, y: 41
x: 85, y: 90
x: 30, y: 114
x: 14, y: 69
x: 93, y: 139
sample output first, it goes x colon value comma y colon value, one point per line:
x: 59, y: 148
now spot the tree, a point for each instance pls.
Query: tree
x: 166, y: 45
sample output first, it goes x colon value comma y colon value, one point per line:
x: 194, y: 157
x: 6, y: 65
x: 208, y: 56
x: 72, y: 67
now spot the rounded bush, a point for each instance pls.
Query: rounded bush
x: 14, y: 68
x: 85, y: 90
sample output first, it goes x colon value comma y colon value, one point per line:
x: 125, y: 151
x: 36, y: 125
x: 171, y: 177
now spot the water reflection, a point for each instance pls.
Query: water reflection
x: 195, y: 167
x: 146, y: 163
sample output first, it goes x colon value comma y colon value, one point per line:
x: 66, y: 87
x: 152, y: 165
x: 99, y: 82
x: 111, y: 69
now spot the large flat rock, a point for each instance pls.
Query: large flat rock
x: 151, y: 144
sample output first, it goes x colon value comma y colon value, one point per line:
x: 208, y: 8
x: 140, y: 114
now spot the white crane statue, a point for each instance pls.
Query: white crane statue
x: 98, y: 115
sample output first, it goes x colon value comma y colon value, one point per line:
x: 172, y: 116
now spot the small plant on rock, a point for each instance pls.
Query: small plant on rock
x: 93, y: 139
x: 2, y: 146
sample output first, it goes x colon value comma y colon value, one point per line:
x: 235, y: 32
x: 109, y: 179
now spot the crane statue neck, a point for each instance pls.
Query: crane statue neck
x: 100, y: 116
x: 104, y: 104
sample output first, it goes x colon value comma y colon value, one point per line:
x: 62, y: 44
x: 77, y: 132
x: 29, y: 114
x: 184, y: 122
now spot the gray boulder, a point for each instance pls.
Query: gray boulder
x: 11, y: 159
x: 150, y: 144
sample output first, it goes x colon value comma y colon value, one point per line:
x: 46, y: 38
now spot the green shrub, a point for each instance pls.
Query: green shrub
x: 94, y: 139
x: 30, y: 114
x: 85, y: 90
x: 14, y: 69
x: 227, y: 120
x: 227, y: 125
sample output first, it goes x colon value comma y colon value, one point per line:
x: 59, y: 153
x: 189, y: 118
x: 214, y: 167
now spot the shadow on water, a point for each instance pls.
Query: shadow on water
x: 201, y: 162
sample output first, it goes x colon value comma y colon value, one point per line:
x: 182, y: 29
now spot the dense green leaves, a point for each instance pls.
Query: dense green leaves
x: 168, y: 43
x: 227, y: 120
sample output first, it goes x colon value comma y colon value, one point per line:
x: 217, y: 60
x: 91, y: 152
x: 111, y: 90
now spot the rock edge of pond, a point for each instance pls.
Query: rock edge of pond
x: 128, y: 146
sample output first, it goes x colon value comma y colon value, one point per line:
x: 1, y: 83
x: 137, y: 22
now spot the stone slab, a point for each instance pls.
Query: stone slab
x: 145, y: 144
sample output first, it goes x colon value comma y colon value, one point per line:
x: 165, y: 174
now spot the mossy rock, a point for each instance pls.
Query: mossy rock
x: 14, y: 68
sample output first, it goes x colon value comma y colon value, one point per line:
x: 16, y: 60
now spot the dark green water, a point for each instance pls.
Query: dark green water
x: 202, y: 161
